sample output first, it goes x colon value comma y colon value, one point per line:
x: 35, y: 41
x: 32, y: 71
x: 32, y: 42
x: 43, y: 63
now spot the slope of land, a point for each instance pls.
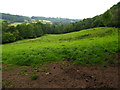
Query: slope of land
x: 35, y: 28
x: 63, y: 60
x: 88, y: 58
x: 91, y: 46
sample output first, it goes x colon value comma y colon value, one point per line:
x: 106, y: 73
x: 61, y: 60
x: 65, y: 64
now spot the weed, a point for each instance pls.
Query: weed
x: 9, y: 67
x: 22, y: 71
x: 44, y: 69
x: 6, y: 82
x: 33, y: 76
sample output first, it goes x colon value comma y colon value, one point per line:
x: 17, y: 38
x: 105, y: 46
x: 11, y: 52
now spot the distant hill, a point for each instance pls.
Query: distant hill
x: 56, y: 20
x: 14, y: 18
x: 9, y: 18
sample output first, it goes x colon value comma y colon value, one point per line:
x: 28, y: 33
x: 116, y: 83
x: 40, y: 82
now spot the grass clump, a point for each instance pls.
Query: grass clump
x: 44, y: 69
x: 33, y: 76
x: 22, y: 71
x: 9, y: 67
x: 6, y: 82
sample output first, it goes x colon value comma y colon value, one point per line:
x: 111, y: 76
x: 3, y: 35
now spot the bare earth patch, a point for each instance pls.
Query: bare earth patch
x: 61, y: 74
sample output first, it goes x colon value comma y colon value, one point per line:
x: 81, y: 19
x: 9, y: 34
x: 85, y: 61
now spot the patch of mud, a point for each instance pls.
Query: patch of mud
x: 61, y: 74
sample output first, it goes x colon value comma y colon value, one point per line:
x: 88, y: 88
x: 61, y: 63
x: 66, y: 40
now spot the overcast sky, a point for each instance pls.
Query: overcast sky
x: 75, y: 9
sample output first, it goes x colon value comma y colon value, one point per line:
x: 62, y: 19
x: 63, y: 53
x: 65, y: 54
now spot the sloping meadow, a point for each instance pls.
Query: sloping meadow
x: 86, y: 47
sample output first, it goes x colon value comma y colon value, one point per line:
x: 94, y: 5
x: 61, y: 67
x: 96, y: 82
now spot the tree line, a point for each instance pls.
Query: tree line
x: 32, y: 30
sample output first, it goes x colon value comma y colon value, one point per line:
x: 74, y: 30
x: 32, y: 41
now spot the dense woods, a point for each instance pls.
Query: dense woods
x: 32, y: 30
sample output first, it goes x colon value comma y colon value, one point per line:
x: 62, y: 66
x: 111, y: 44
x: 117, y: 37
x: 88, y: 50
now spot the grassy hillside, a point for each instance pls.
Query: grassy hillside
x: 14, y: 18
x: 91, y: 46
x: 14, y: 24
x: 17, y: 23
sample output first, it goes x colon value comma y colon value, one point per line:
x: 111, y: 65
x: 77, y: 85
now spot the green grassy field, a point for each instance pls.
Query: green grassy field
x: 14, y: 24
x: 17, y: 23
x: 1, y: 20
x: 86, y: 47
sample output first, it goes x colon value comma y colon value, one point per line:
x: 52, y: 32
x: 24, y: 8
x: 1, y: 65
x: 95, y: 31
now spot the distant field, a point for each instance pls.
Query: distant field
x: 1, y: 20
x: 14, y: 24
x: 86, y: 47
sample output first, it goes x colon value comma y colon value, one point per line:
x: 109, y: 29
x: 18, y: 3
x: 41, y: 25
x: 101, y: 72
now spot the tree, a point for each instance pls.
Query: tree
x: 4, y: 27
x: 21, y: 28
x: 11, y: 29
x: 38, y: 30
x: 46, y: 28
x: 29, y: 31
x: 107, y: 16
x: 8, y: 37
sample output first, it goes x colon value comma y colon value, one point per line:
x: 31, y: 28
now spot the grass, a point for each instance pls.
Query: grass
x: 15, y: 24
x: 33, y: 76
x: 90, y: 46
x: 1, y: 20
x: 9, y: 67
x: 44, y: 69
x: 6, y: 82
x: 23, y: 71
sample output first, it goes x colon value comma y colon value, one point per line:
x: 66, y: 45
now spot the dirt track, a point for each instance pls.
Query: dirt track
x: 62, y: 75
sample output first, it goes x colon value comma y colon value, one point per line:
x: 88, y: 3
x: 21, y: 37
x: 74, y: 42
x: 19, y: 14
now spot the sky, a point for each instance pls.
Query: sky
x: 74, y: 9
